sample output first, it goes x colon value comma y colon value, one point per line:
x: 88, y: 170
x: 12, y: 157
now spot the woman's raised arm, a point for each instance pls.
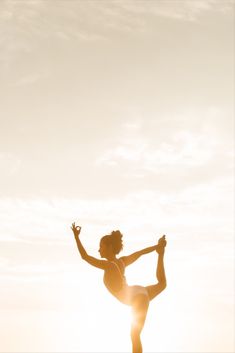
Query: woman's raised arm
x: 90, y: 259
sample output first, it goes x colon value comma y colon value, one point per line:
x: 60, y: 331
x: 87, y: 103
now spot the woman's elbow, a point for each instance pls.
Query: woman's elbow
x: 84, y: 256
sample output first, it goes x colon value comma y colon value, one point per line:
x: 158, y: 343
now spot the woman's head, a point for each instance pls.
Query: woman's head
x: 111, y: 244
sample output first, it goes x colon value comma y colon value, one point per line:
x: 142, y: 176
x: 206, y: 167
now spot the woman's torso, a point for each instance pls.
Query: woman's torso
x: 114, y: 276
x: 115, y: 282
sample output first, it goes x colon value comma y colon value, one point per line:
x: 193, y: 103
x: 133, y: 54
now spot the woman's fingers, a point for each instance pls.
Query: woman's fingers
x: 76, y: 229
x: 74, y: 226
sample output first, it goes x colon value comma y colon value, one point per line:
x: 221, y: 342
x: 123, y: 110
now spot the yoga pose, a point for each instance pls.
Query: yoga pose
x: 138, y: 297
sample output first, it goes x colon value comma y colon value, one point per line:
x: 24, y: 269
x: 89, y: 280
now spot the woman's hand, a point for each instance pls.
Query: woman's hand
x: 76, y: 229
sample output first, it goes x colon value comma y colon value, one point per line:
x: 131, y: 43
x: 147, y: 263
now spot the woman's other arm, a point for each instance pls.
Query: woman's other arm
x: 133, y: 257
x: 90, y: 259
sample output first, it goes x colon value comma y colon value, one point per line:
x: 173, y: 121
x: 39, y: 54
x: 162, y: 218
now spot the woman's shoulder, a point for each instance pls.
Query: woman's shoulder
x: 118, y: 263
x: 121, y: 262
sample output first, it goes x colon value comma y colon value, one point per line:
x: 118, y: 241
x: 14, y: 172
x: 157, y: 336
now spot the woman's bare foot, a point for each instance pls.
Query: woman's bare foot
x: 160, y: 248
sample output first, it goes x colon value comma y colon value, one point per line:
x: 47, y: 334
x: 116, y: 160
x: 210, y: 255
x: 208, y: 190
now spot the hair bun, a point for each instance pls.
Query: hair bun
x: 116, y: 237
x: 116, y: 233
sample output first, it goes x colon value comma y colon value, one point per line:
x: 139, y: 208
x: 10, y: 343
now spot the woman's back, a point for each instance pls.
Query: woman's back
x: 114, y: 278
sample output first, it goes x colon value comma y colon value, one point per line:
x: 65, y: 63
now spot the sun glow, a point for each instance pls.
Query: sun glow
x: 102, y: 320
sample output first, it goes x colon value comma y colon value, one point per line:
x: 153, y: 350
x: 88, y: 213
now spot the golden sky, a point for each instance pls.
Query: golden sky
x: 116, y: 115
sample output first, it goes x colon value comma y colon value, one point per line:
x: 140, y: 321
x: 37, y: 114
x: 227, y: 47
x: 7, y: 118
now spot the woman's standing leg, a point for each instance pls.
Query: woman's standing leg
x: 140, y: 309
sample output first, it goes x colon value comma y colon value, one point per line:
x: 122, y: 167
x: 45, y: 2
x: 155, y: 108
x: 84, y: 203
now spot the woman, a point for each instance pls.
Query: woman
x: 138, y: 297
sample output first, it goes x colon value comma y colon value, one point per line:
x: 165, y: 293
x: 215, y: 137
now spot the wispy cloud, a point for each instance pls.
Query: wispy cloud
x: 192, y: 146
x: 91, y: 20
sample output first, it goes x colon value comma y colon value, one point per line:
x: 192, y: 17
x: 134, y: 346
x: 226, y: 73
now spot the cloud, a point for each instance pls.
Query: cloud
x: 188, y: 150
x: 29, y: 26
x: 28, y: 21
x: 190, y: 144
x: 39, y: 221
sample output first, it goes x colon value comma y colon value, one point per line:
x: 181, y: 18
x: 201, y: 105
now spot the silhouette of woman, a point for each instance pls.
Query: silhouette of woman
x: 138, y: 297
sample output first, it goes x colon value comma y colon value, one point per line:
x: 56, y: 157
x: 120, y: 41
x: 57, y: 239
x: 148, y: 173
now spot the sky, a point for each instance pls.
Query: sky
x: 117, y: 115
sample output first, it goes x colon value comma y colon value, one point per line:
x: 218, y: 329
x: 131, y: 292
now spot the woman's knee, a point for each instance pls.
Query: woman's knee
x: 135, y: 331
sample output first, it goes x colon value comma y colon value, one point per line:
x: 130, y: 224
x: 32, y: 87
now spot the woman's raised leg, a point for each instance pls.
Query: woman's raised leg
x: 139, y: 309
x: 155, y: 289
